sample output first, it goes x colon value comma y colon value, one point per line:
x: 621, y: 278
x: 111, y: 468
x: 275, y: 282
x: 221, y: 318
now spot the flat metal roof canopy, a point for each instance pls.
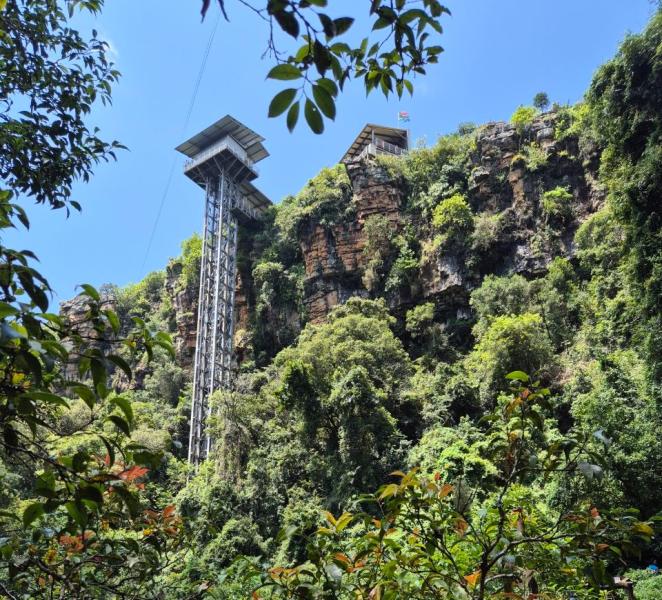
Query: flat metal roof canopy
x: 251, y: 141
x: 392, y: 135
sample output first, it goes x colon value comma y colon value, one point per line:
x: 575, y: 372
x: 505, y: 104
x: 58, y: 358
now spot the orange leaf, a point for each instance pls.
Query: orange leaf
x: 460, y: 526
x: 168, y: 511
x: 446, y: 489
x: 473, y: 578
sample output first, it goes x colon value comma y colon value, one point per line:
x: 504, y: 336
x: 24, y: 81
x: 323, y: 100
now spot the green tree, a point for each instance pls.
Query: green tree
x: 437, y: 537
x: 625, y: 100
x: 509, y: 341
x: 79, y: 515
x: 541, y: 101
x: 523, y: 117
x: 453, y: 219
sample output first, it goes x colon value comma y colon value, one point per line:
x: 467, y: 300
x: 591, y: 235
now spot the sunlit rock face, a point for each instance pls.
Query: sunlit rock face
x: 500, y: 184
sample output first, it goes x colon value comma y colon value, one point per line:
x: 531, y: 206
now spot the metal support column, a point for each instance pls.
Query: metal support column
x: 213, y: 353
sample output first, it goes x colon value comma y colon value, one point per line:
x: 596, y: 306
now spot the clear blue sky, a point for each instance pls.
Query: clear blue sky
x: 498, y: 55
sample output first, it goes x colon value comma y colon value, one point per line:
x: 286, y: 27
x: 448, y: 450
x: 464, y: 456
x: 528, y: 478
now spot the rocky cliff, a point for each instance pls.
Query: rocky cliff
x: 508, y: 173
x: 529, y: 188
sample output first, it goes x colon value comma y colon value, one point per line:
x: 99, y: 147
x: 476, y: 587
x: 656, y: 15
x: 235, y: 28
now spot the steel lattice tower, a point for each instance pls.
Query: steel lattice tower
x: 222, y: 162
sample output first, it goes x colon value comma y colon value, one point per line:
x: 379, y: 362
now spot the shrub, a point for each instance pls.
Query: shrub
x: 377, y: 232
x: 557, y: 204
x: 571, y: 120
x: 453, y: 219
x: 326, y: 197
x: 523, y: 117
x: 647, y: 586
x: 466, y: 128
x: 498, y: 296
x: 444, y: 166
x: 419, y: 318
x: 405, y: 267
x: 534, y: 156
x: 600, y: 241
x: 190, y: 259
x: 487, y: 229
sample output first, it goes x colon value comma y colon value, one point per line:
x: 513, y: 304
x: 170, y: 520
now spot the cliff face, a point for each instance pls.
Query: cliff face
x: 505, y: 188
x: 334, y: 256
x: 184, y: 301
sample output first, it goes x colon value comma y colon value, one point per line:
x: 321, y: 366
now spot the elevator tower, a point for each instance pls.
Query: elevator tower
x: 222, y: 162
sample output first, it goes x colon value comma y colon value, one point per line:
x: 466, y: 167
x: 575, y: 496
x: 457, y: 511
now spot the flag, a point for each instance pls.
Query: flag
x: 403, y: 117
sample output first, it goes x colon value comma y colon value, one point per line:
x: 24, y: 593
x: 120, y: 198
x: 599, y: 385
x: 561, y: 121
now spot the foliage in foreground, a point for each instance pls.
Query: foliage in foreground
x: 75, y: 521
x: 440, y: 536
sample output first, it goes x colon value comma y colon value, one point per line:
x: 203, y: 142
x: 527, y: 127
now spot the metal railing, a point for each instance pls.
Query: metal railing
x: 227, y: 143
x: 381, y: 147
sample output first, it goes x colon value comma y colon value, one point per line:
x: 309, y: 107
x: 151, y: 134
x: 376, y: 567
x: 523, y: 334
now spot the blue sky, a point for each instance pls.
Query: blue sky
x: 498, y: 55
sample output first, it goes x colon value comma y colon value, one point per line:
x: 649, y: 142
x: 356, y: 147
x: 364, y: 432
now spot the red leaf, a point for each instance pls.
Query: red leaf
x: 133, y: 473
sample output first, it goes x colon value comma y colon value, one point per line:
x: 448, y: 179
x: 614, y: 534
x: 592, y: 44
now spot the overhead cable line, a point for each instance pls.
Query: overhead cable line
x: 189, y: 112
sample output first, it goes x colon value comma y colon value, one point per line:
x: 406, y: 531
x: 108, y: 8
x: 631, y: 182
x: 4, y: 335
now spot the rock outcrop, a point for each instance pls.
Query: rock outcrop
x: 503, y: 184
x: 333, y: 256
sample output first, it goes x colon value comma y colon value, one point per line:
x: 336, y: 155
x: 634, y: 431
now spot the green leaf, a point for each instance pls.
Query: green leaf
x: 329, y: 85
x: 77, y: 513
x: 90, y: 492
x: 7, y: 309
x: 518, y: 376
x: 90, y: 291
x: 389, y: 490
x: 342, y: 24
x: 321, y: 57
x: 293, y: 116
x: 313, y: 117
x: 129, y: 499
x: 3, y: 4
x: 46, y: 397
x: 324, y: 101
x: 45, y: 484
x: 125, y: 406
x: 32, y: 512
x: 113, y: 319
x: 120, y: 423
x: 284, y: 72
x: 281, y: 102
x: 86, y: 394
x: 288, y: 22
x: 121, y: 363
x: 110, y: 450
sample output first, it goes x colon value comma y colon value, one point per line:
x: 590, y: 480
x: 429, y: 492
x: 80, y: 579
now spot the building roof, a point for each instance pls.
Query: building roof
x: 393, y: 135
x: 247, y: 138
x: 255, y: 197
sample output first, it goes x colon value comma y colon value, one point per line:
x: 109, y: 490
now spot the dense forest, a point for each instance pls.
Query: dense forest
x: 448, y: 382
